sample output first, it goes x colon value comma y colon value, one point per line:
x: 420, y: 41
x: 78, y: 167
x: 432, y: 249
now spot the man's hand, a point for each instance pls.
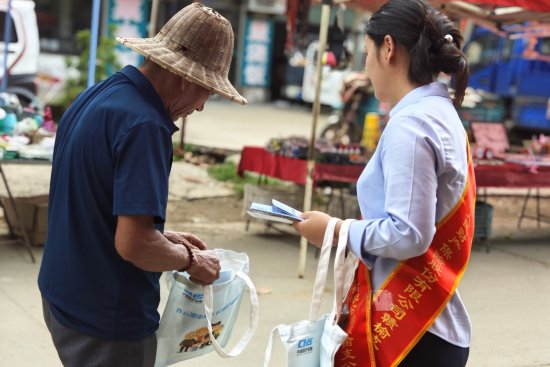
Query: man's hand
x: 206, y: 267
x: 184, y: 237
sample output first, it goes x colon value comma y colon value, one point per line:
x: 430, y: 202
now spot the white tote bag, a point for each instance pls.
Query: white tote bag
x: 344, y: 270
x: 314, y: 342
x: 198, y: 319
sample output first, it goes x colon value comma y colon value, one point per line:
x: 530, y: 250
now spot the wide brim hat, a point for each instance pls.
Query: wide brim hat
x: 197, y: 44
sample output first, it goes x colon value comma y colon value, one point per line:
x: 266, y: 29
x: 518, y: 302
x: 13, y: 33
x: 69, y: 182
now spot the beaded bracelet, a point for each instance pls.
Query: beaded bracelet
x: 191, y: 258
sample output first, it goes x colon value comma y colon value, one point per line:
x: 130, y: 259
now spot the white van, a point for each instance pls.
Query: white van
x: 23, y: 49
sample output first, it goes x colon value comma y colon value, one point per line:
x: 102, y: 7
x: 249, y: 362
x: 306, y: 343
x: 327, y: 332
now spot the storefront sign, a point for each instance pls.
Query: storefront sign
x: 130, y: 17
x: 267, y: 6
x: 256, y: 68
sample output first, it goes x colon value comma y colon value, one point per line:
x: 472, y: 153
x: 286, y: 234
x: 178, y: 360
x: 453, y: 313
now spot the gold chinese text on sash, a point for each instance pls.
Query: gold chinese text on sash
x: 382, y: 332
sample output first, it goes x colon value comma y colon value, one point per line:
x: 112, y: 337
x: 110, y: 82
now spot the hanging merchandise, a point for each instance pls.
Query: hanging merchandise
x: 291, y: 11
x: 337, y: 56
x: 297, y: 25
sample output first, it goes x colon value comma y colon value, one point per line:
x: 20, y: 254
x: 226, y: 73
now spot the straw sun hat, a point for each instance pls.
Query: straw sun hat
x: 197, y: 44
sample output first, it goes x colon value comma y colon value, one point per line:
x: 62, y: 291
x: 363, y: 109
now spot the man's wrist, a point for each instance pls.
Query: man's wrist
x: 190, y: 258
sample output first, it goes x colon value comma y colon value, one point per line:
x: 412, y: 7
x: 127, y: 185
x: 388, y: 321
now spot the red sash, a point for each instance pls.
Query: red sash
x: 382, y: 332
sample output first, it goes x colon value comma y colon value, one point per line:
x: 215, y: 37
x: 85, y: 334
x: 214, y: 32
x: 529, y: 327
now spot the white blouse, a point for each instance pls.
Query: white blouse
x: 416, y: 175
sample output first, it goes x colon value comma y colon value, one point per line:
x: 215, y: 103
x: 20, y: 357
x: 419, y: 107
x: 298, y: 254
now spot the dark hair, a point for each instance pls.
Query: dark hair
x: 422, y: 31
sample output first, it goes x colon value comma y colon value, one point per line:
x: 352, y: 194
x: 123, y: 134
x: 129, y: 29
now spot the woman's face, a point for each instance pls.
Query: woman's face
x: 374, y: 69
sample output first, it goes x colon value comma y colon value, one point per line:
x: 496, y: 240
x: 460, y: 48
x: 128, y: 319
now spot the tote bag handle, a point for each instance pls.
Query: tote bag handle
x: 344, y: 270
x: 254, y: 314
x: 322, y: 270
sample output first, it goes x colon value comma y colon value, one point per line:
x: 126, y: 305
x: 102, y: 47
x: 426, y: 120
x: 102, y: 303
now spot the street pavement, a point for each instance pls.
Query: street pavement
x: 506, y: 290
x: 231, y: 126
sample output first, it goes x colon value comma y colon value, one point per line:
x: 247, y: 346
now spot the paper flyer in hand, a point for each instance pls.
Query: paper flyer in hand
x: 278, y: 212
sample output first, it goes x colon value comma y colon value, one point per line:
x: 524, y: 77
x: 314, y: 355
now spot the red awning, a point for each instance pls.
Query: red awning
x: 367, y: 5
x: 497, y: 14
x: 493, y: 14
x: 530, y: 5
x: 533, y: 5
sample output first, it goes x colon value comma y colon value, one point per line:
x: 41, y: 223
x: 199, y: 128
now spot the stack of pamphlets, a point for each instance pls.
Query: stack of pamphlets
x: 277, y: 212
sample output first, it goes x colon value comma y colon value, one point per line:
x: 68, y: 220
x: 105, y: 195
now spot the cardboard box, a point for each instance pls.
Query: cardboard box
x: 33, y: 213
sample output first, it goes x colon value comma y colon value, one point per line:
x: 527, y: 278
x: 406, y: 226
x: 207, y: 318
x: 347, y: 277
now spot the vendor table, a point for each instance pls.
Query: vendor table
x: 504, y: 175
x: 259, y: 160
x: 25, y: 238
x: 511, y: 175
x: 19, y: 223
x: 515, y: 175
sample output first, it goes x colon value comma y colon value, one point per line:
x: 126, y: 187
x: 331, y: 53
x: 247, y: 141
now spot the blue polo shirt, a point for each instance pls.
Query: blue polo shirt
x: 113, y: 155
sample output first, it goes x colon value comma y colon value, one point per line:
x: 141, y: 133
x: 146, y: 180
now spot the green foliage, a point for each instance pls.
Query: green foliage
x: 106, y: 64
x: 227, y: 172
x: 179, y: 154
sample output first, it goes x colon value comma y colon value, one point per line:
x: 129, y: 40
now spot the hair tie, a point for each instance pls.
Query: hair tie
x: 448, y: 38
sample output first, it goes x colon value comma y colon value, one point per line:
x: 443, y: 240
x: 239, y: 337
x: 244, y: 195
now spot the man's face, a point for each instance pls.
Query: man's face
x: 186, y: 97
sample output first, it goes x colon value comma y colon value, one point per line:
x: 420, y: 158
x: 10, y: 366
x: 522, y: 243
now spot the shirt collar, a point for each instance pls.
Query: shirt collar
x: 146, y: 88
x: 436, y: 89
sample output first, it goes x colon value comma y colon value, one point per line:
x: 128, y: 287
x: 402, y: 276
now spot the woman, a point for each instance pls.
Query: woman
x: 416, y: 195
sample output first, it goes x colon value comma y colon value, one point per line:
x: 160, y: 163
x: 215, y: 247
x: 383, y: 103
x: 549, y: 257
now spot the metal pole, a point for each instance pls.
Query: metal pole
x: 239, y: 57
x: 94, y: 31
x: 323, y: 30
x: 153, y: 19
x: 7, y: 37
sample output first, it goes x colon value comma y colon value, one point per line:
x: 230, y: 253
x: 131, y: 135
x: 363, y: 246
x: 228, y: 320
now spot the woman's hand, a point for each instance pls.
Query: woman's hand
x: 313, y: 226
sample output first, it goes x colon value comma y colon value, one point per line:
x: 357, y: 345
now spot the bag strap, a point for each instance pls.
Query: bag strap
x: 254, y: 315
x: 322, y: 270
x: 344, y: 266
x: 269, y: 348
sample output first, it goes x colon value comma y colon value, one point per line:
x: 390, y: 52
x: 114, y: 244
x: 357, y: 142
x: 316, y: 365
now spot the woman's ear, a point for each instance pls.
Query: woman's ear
x: 389, y: 49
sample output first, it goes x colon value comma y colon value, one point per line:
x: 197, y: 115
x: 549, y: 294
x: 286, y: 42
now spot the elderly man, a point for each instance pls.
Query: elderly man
x: 105, y: 249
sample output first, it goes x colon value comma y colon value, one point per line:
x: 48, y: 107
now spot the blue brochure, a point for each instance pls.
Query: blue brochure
x: 277, y: 212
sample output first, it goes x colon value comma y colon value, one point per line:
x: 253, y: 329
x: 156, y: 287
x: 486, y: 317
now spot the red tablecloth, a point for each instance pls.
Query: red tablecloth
x: 511, y: 175
x: 258, y: 159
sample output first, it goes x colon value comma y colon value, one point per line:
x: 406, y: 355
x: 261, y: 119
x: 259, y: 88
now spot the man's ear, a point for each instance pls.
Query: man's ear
x: 185, y: 84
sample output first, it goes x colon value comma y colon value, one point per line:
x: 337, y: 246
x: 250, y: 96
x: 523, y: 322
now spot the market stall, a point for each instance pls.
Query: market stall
x: 260, y: 160
x: 510, y: 171
x: 504, y: 172
x: 27, y: 135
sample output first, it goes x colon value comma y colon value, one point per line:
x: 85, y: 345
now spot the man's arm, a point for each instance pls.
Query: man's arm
x: 137, y: 241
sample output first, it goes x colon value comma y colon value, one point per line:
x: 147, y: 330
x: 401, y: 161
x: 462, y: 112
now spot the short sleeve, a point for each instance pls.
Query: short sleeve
x: 143, y: 160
